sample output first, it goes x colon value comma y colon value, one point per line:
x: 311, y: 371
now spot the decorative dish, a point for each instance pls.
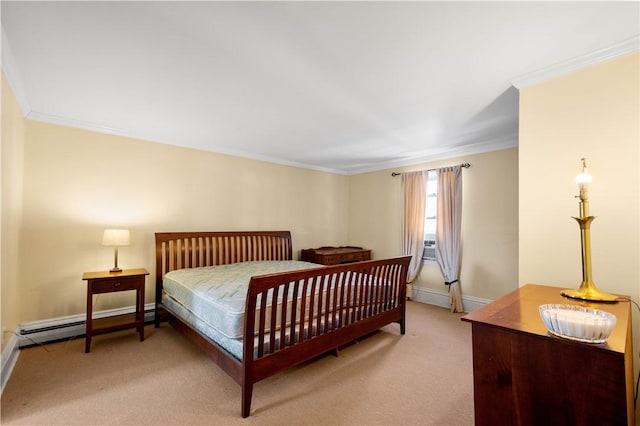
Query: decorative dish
x: 577, y: 322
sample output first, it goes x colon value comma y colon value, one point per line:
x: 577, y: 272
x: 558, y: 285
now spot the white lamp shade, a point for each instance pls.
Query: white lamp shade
x: 115, y: 237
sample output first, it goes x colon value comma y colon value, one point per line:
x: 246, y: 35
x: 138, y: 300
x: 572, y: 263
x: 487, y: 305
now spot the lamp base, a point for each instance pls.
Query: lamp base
x: 115, y: 270
x: 590, y: 293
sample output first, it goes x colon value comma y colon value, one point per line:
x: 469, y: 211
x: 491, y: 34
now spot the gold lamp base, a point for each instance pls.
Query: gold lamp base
x: 115, y: 261
x: 589, y: 292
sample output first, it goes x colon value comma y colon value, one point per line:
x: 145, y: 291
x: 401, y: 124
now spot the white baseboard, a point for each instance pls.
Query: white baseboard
x: 441, y: 298
x: 9, y: 358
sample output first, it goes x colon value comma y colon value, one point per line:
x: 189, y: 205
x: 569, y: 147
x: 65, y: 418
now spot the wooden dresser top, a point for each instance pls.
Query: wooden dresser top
x: 518, y: 311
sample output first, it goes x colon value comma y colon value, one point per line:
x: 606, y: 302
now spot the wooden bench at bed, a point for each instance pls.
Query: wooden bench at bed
x: 330, y: 305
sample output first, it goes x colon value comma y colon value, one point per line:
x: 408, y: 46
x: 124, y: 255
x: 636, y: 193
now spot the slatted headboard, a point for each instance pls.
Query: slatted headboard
x: 179, y: 250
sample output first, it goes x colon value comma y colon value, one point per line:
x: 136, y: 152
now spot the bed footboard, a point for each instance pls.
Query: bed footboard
x: 294, y: 316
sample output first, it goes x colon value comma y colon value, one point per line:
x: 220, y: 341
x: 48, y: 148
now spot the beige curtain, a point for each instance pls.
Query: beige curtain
x: 414, y: 190
x: 449, y: 231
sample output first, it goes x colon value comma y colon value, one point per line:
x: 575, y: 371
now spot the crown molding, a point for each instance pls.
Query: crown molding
x: 77, y: 124
x: 443, y: 153
x: 559, y: 69
x: 437, y: 154
x: 157, y: 138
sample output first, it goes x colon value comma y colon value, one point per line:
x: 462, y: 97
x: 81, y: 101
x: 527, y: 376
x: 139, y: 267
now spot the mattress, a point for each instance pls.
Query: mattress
x: 215, y: 295
x: 233, y: 346
x: 212, y: 300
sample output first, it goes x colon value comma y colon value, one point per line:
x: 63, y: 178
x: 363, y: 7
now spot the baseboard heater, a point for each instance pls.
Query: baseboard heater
x: 26, y: 332
x: 44, y: 331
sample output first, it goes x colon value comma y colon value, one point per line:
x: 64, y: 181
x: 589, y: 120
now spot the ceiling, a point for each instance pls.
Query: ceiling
x: 344, y: 87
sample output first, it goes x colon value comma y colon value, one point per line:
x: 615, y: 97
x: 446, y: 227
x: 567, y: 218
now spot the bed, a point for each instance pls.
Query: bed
x: 270, y: 312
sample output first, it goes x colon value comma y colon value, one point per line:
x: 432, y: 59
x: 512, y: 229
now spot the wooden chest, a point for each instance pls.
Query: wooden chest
x: 335, y: 255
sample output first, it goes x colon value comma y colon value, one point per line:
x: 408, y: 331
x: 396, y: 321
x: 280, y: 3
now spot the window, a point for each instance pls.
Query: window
x: 431, y: 209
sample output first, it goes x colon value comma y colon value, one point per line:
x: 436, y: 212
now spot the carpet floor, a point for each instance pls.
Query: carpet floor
x: 422, y: 378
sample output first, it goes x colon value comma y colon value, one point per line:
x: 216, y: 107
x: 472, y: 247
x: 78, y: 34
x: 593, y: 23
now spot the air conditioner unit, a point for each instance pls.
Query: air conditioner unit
x: 429, y: 252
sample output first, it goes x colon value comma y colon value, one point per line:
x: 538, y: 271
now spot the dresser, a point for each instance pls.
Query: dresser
x: 523, y: 375
x: 335, y: 255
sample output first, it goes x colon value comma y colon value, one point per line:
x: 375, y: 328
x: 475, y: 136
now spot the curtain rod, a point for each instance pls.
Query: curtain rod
x: 465, y: 165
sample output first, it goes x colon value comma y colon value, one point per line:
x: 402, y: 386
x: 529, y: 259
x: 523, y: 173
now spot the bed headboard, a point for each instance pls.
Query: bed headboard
x: 179, y: 250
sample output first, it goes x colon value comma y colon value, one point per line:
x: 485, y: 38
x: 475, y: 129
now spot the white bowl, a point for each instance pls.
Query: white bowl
x: 578, y: 323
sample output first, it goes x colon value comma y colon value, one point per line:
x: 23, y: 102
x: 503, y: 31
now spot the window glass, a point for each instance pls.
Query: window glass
x: 431, y: 209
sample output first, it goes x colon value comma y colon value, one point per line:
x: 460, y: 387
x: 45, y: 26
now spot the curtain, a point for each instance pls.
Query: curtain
x: 414, y: 190
x: 449, y: 229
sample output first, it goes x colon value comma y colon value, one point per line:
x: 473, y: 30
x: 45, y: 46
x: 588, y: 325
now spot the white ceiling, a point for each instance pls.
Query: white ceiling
x: 339, y: 86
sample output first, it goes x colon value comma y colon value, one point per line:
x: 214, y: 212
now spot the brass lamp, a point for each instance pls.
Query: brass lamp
x: 588, y: 290
x: 115, y: 238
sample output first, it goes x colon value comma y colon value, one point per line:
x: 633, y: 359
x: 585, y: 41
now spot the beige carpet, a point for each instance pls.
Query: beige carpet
x: 424, y: 377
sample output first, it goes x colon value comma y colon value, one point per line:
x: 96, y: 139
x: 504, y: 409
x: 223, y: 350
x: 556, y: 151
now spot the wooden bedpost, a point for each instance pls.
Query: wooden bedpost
x: 247, y: 392
x: 159, y: 275
x: 403, y: 296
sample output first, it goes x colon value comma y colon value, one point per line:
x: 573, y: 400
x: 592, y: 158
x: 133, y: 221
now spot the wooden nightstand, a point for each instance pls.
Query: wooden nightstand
x: 335, y: 255
x: 108, y: 282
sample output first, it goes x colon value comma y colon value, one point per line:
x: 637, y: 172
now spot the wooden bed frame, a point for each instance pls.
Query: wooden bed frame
x: 357, y: 304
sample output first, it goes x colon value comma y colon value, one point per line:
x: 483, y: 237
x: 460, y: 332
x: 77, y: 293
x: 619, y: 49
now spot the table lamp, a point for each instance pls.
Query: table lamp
x: 115, y: 238
x: 588, y: 290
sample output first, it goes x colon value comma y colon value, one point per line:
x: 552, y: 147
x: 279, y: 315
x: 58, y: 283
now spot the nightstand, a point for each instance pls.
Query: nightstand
x: 109, y: 282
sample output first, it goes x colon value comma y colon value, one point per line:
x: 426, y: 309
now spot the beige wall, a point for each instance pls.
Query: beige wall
x: 592, y: 113
x: 11, y: 194
x: 78, y: 182
x: 490, y: 221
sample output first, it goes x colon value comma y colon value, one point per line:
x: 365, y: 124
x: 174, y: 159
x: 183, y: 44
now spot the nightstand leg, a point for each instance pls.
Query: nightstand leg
x: 140, y: 310
x: 88, y: 324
